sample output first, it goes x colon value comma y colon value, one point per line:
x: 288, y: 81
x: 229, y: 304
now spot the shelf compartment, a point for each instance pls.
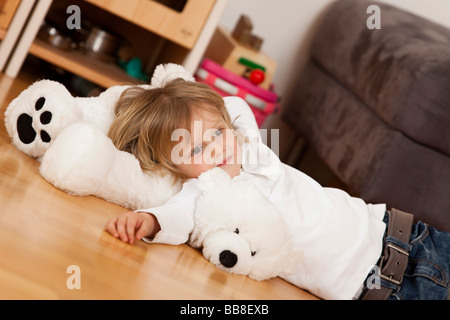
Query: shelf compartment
x: 181, y: 28
x: 98, y: 72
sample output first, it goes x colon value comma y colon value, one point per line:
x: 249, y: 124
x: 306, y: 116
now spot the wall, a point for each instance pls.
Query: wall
x: 287, y: 25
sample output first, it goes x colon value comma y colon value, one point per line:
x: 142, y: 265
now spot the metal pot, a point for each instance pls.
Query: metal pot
x: 55, y: 37
x: 102, y: 45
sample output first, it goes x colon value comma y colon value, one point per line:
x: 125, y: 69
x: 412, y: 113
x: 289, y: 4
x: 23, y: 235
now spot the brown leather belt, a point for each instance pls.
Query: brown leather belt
x: 394, y: 258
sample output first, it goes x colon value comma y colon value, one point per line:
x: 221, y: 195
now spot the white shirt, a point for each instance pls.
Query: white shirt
x: 340, y: 236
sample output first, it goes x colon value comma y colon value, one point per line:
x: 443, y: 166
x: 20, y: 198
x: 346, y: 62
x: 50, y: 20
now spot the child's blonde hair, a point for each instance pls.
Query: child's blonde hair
x: 146, y: 118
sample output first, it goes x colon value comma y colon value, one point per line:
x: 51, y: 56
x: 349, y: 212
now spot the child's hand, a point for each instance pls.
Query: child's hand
x: 131, y: 225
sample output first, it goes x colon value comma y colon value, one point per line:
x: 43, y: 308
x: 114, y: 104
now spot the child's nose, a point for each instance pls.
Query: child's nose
x: 218, y: 149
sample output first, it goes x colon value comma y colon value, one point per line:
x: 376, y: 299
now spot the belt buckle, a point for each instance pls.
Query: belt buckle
x: 389, y: 277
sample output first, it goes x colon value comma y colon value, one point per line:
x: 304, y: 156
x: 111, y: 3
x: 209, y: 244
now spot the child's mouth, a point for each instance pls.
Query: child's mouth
x: 226, y: 161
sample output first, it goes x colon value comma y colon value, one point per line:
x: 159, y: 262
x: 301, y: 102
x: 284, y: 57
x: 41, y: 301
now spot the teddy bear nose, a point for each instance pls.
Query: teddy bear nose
x: 227, y: 258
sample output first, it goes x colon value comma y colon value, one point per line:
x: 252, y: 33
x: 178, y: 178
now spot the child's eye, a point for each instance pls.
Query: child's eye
x: 197, y: 150
x: 218, y: 132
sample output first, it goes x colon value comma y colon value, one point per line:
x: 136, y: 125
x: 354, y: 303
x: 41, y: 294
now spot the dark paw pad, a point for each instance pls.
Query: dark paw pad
x: 46, y: 117
x: 45, y: 137
x: 39, y: 103
x: 27, y: 133
x: 25, y: 129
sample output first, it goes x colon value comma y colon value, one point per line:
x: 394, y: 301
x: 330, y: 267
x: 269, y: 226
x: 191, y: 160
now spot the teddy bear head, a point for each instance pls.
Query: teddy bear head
x: 36, y: 117
x: 239, y: 229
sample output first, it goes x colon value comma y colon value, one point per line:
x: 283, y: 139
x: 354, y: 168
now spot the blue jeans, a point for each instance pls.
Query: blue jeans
x: 427, y: 276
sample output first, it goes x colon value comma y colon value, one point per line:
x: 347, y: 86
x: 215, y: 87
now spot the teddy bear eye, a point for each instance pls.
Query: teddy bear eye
x: 253, y: 253
x: 236, y: 231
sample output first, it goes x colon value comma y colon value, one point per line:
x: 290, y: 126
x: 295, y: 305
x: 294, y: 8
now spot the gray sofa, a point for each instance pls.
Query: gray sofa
x: 375, y: 106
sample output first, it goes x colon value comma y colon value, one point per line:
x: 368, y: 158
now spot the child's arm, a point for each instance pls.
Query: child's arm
x: 170, y: 223
x: 241, y: 116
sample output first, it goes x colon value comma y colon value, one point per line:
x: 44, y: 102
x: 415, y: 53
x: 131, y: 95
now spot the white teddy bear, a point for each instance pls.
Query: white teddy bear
x: 240, y: 230
x: 69, y: 136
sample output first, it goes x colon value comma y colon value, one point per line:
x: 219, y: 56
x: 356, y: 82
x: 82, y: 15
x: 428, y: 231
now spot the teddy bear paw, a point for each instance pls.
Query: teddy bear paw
x: 27, y: 134
x: 36, y: 117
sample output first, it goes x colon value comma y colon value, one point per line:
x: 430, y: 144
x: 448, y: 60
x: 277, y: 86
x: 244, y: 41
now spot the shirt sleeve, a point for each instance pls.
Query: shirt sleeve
x: 176, y: 216
x: 242, y: 117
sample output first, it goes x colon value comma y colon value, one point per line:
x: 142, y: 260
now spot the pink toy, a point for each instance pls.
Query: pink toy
x: 262, y: 102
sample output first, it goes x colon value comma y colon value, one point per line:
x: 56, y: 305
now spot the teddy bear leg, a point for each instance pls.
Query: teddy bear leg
x: 78, y: 160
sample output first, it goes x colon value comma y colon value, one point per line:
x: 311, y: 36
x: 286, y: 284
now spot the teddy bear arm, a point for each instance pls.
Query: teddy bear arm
x: 78, y: 160
x: 84, y: 161
x: 126, y: 184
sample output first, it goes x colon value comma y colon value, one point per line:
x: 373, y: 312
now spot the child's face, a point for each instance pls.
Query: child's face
x: 210, y: 143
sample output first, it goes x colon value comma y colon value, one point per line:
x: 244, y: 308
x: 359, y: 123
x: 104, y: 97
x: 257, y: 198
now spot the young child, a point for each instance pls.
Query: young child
x: 188, y: 129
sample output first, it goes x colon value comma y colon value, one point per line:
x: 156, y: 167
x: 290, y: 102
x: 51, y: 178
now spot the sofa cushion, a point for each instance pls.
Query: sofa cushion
x: 401, y: 71
x: 379, y: 164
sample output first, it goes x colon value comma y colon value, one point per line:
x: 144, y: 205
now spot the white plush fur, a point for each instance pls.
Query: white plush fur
x: 79, y: 158
x: 235, y: 216
x: 165, y: 73
x: 84, y: 161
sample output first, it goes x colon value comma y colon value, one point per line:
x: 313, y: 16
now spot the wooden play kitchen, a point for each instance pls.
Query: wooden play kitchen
x: 156, y: 31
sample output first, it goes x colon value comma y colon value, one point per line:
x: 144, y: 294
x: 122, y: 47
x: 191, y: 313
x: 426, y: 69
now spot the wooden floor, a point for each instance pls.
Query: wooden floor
x: 44, y: 231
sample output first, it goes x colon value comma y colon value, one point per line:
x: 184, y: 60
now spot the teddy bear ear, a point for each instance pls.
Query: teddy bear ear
x: 211, y: 178
x: 165, y: 73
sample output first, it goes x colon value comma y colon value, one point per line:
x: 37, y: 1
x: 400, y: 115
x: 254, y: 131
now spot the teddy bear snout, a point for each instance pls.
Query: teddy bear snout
x: 227, y: 250
x: 228, y: 259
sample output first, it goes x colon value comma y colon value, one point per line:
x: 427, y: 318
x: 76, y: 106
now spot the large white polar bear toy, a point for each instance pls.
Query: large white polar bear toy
x: 69, y: 136
x: 239, y: 229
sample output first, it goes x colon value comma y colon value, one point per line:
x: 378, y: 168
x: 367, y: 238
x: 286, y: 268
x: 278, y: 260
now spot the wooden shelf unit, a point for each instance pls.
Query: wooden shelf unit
x: 158, y: 34
x: 94, y: 70
x: 7, y: 11
x: 182, y: 28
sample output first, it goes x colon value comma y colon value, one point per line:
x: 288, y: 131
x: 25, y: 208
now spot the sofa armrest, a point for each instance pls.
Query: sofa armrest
x: 401, y: 71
